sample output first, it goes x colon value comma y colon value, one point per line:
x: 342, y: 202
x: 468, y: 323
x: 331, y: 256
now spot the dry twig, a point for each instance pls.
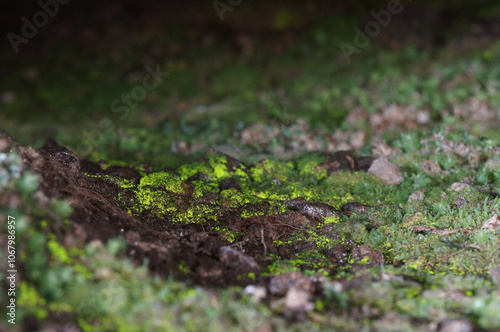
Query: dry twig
x: 435, y: 230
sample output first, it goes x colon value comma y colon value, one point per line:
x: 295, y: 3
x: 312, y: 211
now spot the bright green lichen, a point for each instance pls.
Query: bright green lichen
x: 32, y: 301
x: 162, y: 180
x: 188, y: 170
x: 388, y: 228
x: 58, y: 252
x: 218, y: 164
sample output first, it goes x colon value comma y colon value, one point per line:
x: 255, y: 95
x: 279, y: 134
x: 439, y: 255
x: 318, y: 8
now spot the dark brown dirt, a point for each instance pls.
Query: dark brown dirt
x: 195, y: 252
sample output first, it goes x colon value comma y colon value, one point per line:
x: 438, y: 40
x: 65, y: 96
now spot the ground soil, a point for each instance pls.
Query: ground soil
x: 211, y: 259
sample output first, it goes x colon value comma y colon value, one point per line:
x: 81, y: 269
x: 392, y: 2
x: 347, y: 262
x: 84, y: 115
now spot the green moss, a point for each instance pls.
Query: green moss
x: 184, y: 268
x: 31, y: 300
x: 188, y: 170
x: 218, y: 165
x: 271, y: 168
x: 162, y: 180
x: 58, y: 252
x: 279, y: 267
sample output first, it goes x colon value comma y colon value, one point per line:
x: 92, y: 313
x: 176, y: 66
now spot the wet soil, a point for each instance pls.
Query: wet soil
x: 198, y: 252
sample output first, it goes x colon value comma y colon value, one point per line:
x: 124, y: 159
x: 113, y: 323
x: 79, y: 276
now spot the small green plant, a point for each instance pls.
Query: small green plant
x: 376, y: 238
x: 446, y: 161
x: 409, y: 142
x: 487, y: 209
x: 482, y: 175
x: 482, y: 237
x: 420, y: 180
x: 441, y: 209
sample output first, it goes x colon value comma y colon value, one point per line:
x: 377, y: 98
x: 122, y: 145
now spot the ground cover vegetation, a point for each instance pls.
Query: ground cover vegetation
x: 240, y: 193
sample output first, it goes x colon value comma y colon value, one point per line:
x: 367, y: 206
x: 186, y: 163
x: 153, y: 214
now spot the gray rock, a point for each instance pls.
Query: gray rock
x: 298, y: 300
x: 416, y: 196
x: 492, y: 164
x: 235, y: 259
x: 386, y: 171
x: 456, y: 325
x: 492, y: 224
x: 458, y: 187
x: 495, y: 275
x: 280, y: 284
x: 257, y: 292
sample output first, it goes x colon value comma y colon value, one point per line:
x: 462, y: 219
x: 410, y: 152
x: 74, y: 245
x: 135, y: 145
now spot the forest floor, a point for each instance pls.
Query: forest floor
x: 265, y: 181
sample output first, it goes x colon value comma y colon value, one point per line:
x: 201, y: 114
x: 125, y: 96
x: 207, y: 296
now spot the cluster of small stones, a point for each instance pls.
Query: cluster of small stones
x: 301, y: 138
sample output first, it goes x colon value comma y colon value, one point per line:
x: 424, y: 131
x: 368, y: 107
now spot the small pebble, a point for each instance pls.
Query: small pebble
x: 298, y: 300
x: 257, y: 292
x: 458, y: 186
x: 416, y: 196
x: 386, y: 171
x: 456, y: 325
x: 492, y: 224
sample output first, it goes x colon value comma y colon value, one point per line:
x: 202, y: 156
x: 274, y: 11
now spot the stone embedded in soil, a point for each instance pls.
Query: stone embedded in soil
x: 235, y: 259
x: 430, y: 167
x: 280, y: 284
x: 458, y: 187
x: 318, y: 211
x: 456, y: 325
x: 258, y: 134
x: 298, y: 300
x: 132, y: 237
x: 354, y: 207
x: 416, y: 196
x: 492, y: 224
x: 386, y: 171
x: 257, y: 292
x: 368, y: 255
x: 494, y: 275
x: 390, y: 320
x: 380, y: 148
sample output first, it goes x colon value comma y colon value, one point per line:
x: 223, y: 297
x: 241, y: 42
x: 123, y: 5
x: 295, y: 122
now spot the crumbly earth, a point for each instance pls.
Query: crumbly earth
x: 186, y: 221
x: 314, y: 235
